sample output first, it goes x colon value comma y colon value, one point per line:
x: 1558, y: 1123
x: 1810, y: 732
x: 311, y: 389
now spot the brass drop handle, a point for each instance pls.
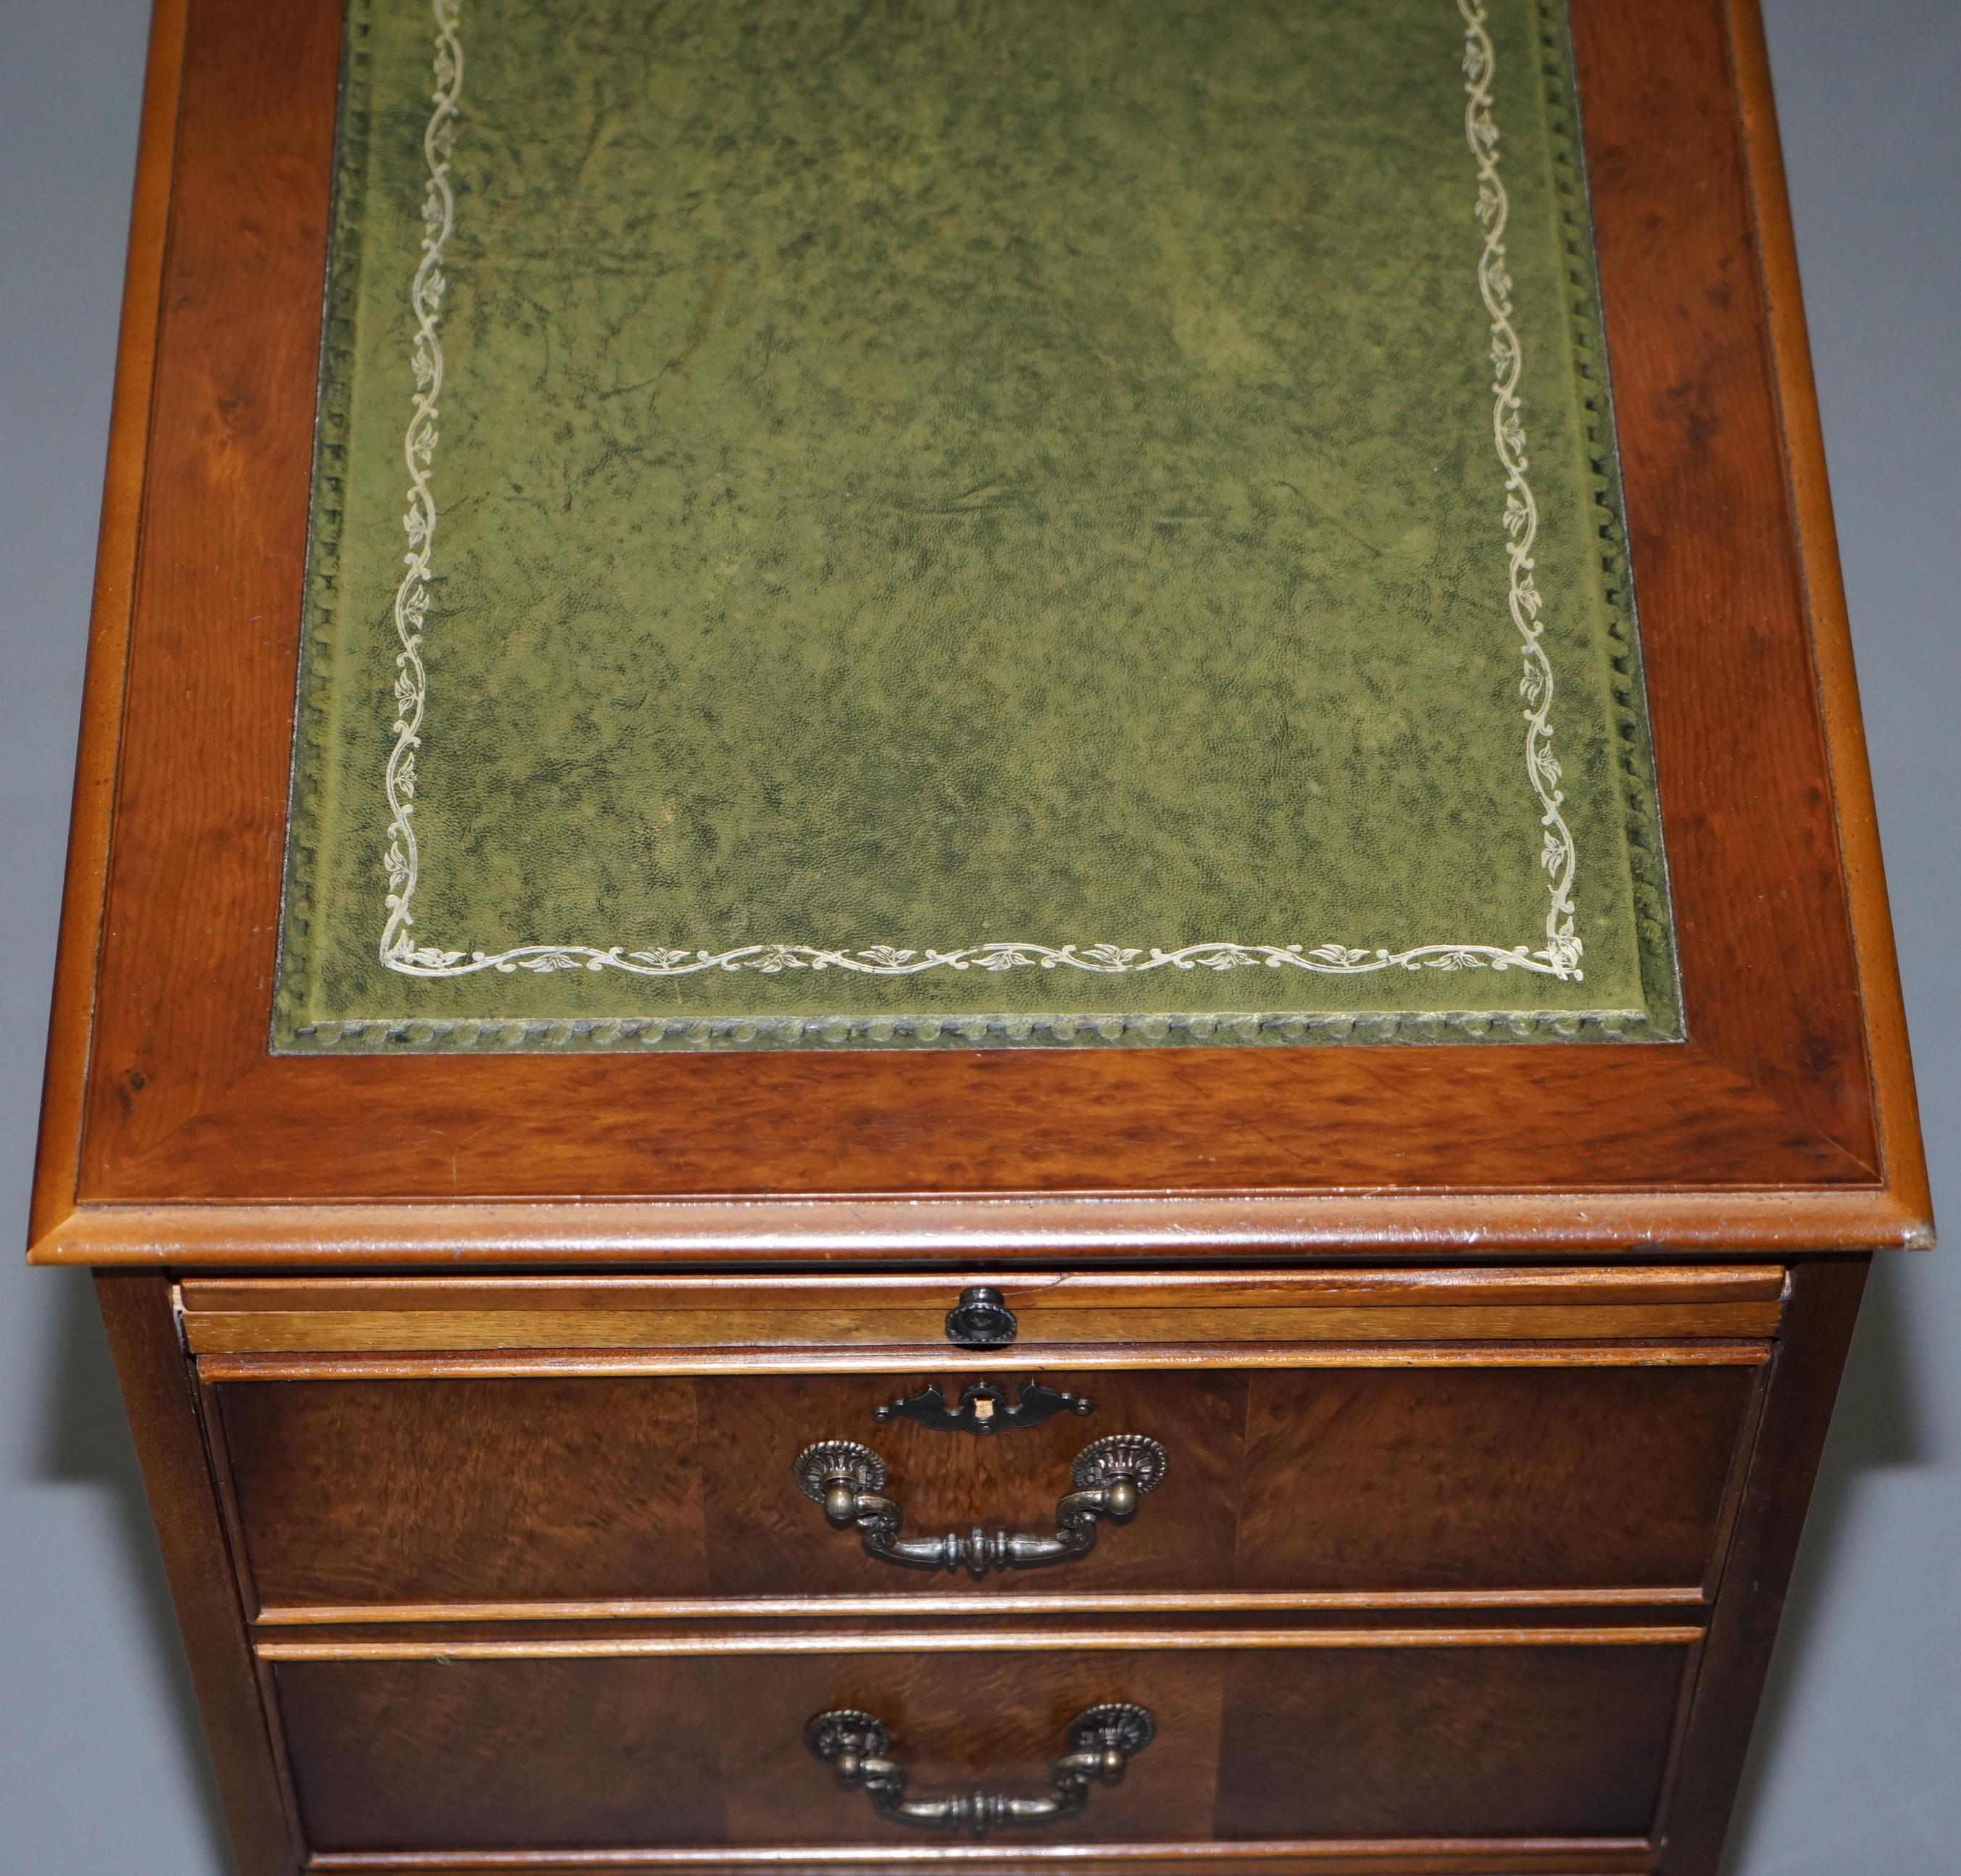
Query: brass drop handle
x: 1101, y: 1740
x: 1109, y: 1475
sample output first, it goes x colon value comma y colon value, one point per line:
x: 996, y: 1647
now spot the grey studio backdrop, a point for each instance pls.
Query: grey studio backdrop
x: 101, y: 1766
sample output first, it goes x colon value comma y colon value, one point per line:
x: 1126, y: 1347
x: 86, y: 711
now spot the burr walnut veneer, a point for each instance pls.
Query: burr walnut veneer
x: 1384, y: 1454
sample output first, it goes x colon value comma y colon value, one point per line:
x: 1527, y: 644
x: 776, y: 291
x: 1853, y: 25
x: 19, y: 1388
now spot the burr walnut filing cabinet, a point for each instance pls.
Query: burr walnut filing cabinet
x: 974, y: 957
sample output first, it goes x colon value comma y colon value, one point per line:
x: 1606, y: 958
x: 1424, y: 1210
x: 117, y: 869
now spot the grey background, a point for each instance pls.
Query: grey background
x: 1855, y: 1768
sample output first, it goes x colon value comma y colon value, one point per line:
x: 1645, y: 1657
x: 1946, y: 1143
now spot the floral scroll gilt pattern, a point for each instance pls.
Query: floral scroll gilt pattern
x: 1559, y: 956
x: 402, y: 859
x: 1557, y: 853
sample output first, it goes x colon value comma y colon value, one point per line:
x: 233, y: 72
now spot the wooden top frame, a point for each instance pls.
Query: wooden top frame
x: 1786, y: 1121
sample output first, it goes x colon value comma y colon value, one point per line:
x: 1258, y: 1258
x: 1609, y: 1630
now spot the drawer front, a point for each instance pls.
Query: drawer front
x: 568, y: 1488
x: 1361, y: 1736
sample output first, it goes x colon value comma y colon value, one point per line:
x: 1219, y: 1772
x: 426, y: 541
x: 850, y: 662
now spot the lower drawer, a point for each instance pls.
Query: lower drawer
x: 1262, y: 1739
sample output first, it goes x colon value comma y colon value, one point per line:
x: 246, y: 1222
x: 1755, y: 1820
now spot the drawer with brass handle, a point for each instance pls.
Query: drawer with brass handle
x: 1472, y: 1739
x: 561, y: 1451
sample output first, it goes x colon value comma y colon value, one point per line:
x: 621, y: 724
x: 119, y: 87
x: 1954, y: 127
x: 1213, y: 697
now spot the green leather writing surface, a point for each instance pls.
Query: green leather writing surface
x: 965, y: 521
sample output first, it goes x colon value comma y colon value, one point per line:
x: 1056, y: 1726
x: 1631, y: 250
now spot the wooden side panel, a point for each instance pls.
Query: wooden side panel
x: 157, y: 1393
x: 1883, y: 1008
x: 1797, y: 1410
x: 112, y: 621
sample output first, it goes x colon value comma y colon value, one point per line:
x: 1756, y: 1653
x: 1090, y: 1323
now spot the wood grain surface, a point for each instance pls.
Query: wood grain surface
x: 1785, y: 1121
x: 1404, y: 1857
x: 1032, y: 1294
x: 918, y: 1331
x: 869, y: 1322
x: 1539, y: 1856
x: 1409, y: 1741
x: 586, y: 1489
x: 522, y: 1363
